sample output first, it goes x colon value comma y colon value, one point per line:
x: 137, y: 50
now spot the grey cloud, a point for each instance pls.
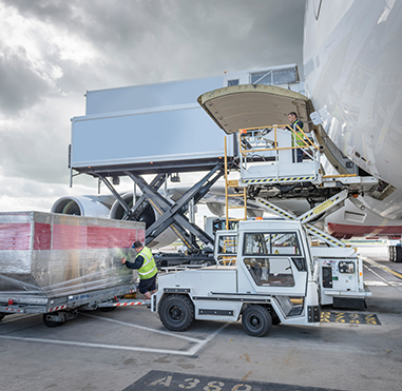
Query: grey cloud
x: 137, y: 42
x: 36, y: 156
x: 20, y: 85
x: 157, y: 40
x: 45, y: 10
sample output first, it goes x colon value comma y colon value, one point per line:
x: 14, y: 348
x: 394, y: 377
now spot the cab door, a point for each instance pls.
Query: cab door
x: 273, y: 263
x: 225, y: 251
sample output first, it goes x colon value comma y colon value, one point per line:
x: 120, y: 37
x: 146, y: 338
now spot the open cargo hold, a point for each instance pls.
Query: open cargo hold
x: 51, y: 261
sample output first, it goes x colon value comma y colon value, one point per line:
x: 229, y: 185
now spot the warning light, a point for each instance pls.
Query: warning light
x: 258, y: 218
x: 355, y: 195
x: 243, y: 131
x: 10, y: 301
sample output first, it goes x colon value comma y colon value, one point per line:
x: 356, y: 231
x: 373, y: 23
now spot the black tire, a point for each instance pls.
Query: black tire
x: 107, y: 309
x: 398, y: 254
x: 395, y: 253
x: 257, y: 321
x: 176, y: 312
x: 50, y: 323
x: 391, y: 253
x: 2, y: 316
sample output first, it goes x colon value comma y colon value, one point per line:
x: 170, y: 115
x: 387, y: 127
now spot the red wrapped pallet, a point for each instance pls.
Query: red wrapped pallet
x: 51, y: 255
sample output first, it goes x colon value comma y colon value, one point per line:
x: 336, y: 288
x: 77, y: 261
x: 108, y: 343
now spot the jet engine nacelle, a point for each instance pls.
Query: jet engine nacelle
x: 94, y: 206
x: 149, y: 215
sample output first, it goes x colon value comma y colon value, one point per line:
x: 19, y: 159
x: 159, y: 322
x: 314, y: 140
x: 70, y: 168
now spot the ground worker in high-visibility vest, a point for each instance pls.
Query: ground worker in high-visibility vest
x: 145, y: 264
x: 297, y: 136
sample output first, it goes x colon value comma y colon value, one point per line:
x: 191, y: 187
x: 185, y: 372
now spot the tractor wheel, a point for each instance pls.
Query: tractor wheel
x: 176, y: 312
x: 257, y: 321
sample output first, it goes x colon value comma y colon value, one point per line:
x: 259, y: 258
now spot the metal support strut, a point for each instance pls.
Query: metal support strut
x: 171, y: 214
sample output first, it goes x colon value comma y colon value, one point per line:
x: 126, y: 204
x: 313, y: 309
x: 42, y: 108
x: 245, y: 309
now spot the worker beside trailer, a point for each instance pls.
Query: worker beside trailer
x: 145, y: 264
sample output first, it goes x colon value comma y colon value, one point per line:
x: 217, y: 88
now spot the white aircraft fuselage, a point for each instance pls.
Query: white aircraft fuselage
x: 352, y: 61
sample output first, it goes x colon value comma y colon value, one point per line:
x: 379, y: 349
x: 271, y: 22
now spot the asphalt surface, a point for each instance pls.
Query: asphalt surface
x: 130, y: 349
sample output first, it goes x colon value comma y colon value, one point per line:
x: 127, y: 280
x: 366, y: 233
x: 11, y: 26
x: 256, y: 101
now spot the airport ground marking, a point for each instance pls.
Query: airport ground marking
x: 199, y: 343
x: 145, y: 328
x: 388, y: 283
x: 101, y: 346
x: 382, y: 278
x: 164, y: 380
x: 382, y: 283
x: 387, y: 269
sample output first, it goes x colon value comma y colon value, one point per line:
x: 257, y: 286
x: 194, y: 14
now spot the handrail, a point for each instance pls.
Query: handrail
x: 307, y: 142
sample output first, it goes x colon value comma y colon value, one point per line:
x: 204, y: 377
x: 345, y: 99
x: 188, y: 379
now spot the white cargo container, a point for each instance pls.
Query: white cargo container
x: 159, y: 127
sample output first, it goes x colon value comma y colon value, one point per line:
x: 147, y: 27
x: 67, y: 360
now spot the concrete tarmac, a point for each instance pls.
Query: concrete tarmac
x: 113, y: 351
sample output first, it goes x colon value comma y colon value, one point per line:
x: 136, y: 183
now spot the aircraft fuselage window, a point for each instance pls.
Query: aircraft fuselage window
x: 274, y: 77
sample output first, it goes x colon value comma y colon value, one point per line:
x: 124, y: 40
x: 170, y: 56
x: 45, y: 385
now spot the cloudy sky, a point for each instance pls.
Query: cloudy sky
x: 52, y: 51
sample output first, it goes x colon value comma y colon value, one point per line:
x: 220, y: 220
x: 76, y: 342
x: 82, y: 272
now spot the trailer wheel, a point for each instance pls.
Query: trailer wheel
x: 257, y: 321
x: 47, y: 320
x: 176, y: 312
x: 2, y: 316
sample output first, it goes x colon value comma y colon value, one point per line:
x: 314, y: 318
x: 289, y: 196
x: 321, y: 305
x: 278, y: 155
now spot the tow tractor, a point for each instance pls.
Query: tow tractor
x: 268, y: 273
x: 278, y: 270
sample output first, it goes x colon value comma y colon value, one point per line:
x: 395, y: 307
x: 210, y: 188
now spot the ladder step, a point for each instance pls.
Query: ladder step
x: 236, y: 195
x: 235, y: 207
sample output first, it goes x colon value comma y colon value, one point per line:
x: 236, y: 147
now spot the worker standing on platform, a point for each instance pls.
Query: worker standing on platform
x: 297, y: 136
x: 145, y: 264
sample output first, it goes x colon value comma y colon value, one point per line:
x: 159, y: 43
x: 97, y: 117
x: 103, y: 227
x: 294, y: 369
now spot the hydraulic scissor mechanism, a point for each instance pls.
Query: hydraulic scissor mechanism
x: 170, y: 214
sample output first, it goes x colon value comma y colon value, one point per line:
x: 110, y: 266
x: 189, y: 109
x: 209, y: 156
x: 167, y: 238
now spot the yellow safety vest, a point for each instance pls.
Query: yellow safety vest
x: 297, y: 136
x: 148, y: 268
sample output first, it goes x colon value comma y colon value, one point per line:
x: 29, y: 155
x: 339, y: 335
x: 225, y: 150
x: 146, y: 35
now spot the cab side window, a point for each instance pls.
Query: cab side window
x: 268, y: 257
x: 227, y: 249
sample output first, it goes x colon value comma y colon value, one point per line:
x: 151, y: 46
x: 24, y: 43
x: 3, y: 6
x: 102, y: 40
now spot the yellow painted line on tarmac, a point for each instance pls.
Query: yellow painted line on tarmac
x: 387, y: 269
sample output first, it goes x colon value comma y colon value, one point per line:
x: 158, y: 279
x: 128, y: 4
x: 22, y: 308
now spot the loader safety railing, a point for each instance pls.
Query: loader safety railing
x: 242, y: 195
x: 269, y: 154
x: 265, y: 139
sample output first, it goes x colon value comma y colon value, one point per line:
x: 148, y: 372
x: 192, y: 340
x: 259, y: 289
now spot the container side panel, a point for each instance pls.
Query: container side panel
x: 42, y: 237
x: 15, y: 236
x: 68, y: 237
x: 149, y: 96
x: 135, y: 139
x: 62, y: 272
x: 14, y: 261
